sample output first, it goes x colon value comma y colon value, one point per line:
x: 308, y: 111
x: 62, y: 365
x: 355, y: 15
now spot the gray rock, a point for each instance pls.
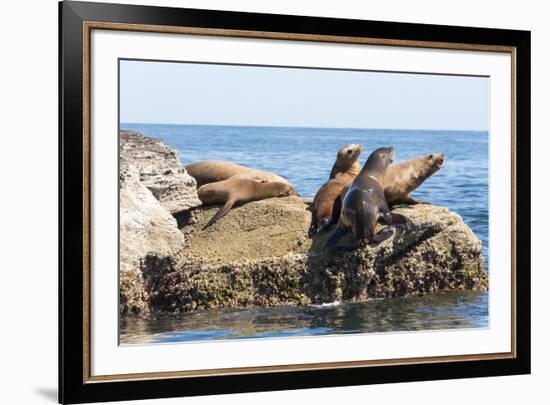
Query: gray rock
x: 159, y: 170
x: 148, y: 236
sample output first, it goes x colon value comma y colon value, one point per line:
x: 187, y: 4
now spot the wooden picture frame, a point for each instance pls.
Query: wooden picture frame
x: 78, y: 19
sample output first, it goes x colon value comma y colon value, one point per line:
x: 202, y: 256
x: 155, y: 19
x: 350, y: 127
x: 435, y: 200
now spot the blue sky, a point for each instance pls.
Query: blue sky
x: 184, y: 93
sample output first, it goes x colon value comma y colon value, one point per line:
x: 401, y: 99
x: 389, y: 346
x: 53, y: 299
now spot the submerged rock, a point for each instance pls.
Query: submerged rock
x: 159, y: 170
x: 260, y: 255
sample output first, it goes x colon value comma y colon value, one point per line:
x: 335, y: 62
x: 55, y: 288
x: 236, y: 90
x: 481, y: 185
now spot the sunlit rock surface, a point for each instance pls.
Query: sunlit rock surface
x: 159, y: 170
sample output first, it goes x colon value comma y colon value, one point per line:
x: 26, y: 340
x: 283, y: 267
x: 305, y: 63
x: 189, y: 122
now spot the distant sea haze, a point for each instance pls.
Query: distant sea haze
x: 305, y: 156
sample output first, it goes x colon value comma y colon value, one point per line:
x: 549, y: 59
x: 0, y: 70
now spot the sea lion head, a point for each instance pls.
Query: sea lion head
x: 379, y: 160
x: 433, y: 162
x: 349, y: 153
x: 284, y: 189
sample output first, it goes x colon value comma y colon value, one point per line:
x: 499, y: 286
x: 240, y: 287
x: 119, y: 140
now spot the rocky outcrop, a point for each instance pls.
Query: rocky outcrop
x: 153, y: 185
x: 148, y: 235
x: 159, y: 170
x: 260, y: 255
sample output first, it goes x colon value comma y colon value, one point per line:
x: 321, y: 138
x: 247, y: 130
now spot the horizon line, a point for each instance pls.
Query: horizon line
x: 301, y: 126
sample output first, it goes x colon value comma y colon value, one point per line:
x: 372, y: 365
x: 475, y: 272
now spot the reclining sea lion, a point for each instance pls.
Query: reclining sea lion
x: 211, y: 171
x: 240, y: 189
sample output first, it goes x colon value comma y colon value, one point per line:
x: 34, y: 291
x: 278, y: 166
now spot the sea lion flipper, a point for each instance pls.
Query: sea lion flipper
x: 222, y: 211
x: 416, y: 201
x: 409, y: 199
x: 393, y: 218
x: 383, y: 234
x: 343, y: 247
x: 332, y: 242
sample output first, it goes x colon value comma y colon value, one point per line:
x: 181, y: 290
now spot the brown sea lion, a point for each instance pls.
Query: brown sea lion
x: 211, y: 171
x: 343, y: 171
x: 346, y: 160
x: 240, y: 189
x: 402, y: 178
x: 364, y: 205
x: 323, y: 203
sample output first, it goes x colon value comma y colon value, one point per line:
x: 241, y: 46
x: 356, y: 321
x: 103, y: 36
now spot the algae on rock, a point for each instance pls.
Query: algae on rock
x: 438, y: 253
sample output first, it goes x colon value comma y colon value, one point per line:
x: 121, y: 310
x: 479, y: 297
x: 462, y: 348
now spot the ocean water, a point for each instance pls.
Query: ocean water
x: 449, y: 310
x: 305, y: 156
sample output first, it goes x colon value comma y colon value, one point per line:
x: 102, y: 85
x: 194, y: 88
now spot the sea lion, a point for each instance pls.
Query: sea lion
x: 364, y: 205
x: 343, y: 171
x: 240, y: 189
x: 211, y: 171
x: 323, y: 203
x: 346, y: 160
x: 402, y: 178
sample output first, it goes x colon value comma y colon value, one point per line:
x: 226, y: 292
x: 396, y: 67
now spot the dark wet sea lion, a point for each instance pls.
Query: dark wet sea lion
x: 364, y: 205
x: 211, y: 171
x: 400, y: 180
x: 240, y: 189
x: 346, y: 160
x: 343, y: 171
x: 403, y: 178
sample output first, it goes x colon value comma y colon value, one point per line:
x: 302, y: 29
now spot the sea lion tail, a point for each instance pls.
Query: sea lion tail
x: 223, y: 210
